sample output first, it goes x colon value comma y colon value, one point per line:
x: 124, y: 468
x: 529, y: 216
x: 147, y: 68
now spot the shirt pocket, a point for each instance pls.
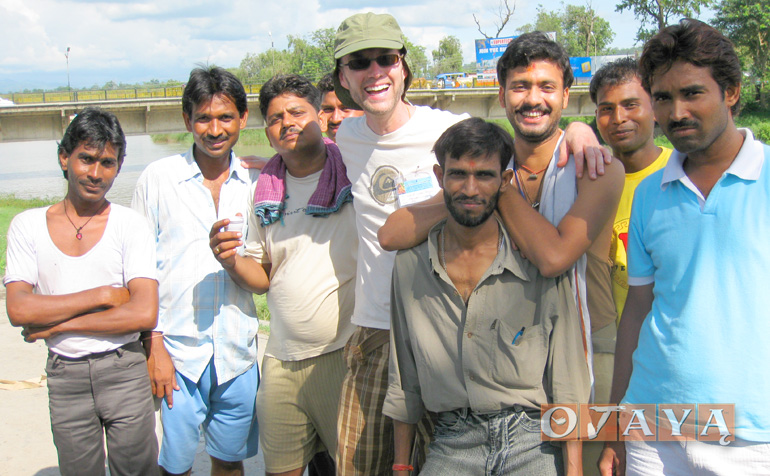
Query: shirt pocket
x: 520, y: 357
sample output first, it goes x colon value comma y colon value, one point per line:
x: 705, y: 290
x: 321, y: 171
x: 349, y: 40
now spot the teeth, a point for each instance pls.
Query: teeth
x: 376, y: 89
x: 532, y: 114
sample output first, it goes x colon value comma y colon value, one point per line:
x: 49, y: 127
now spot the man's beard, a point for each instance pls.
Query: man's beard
x: 463, y: 218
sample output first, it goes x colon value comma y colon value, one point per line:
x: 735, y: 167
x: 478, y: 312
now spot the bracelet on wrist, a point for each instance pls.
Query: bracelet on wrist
x: 403, y: 467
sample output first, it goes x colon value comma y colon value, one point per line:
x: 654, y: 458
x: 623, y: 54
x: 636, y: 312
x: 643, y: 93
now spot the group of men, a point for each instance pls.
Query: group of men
x: 437, y: 359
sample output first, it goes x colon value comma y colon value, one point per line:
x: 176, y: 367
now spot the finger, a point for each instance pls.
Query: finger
x: 173, y: 382
x: 169, y: 396
x: 217, y: 226
x: 579, y: 162
x: 563, y: 154
x: 607, y: 153
x: 591, y: 162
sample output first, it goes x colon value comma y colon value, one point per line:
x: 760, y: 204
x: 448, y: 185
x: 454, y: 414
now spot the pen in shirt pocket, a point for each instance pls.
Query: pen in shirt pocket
x: 518, y: 334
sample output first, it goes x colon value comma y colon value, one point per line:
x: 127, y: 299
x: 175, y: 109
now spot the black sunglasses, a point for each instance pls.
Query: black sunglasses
x: 360, y: 64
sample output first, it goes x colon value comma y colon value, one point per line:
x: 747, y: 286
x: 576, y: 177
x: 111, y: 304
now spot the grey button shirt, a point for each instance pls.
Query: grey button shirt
x: 517, y: 342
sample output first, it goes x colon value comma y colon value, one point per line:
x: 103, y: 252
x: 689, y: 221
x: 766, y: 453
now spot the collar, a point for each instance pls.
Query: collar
x: 192, y: 170
x: 747, y: 165
x: 506, y: 257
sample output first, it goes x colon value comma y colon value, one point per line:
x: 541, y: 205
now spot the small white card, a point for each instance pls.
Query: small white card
x: 416, y: 187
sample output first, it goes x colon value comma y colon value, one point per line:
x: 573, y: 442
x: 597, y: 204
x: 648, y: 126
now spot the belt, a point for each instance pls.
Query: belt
x: 136, y: 345
x: 374, y: 341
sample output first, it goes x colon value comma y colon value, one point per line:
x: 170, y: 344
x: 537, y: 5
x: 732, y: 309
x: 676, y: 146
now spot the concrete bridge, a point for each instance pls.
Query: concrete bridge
x: 164, y: 115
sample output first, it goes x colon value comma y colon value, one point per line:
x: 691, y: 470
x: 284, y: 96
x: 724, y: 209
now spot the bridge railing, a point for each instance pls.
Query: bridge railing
x: 104, y: 94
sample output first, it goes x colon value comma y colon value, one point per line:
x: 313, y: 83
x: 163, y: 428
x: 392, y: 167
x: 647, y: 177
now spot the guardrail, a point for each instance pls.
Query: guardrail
x: 104, y: 94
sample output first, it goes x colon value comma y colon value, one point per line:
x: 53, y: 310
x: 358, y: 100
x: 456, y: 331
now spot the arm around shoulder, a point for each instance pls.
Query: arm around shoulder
x: 409, y: 226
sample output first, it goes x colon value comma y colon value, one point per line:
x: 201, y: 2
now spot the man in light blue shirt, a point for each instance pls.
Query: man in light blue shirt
x: 695, y: 324
x: 202, y: 357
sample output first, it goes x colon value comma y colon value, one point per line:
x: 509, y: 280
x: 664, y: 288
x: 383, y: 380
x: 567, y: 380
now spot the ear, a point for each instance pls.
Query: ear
x: 268, y: 137
x: 732, y: 95
x: 439, y: 173
x: 63, y: 159
x: 507, y: 177
x: 343, y: 81
x: 187, y: 122
x: 244, y: 119
x: 501, y: 96
x: 566, y: 99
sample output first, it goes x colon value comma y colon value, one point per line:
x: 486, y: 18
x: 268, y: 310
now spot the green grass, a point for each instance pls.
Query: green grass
x: 10, y: 206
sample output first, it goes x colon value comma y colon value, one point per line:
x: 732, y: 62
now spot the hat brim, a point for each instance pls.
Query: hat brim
x: 368, y: 44
x: 343, y: 94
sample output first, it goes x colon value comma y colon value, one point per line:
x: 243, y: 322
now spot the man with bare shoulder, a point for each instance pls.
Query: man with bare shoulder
x: 81, y: 275
x: 560, y: 223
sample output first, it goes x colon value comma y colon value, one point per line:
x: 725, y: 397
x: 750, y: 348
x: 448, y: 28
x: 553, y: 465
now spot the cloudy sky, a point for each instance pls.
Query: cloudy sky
x: 139, y: 40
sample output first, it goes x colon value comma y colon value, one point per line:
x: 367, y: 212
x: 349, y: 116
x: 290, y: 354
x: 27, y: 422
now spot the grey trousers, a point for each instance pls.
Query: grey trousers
x: 97, y: 395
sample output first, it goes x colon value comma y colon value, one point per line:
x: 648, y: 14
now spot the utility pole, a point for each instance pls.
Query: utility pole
x: 272, y: 47
x: 67, y: 55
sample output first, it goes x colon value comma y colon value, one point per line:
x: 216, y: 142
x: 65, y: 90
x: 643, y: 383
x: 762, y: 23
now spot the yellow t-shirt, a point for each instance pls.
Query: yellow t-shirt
x: 620, y: 229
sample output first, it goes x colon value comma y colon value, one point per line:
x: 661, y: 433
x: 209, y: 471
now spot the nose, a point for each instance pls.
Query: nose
x: 95, y: 171
x: 215, y: 128
x: 471, y: 186
x: 619, y: 115
x: 534, y: 96
x: 678, y: 110
x: 336, y: 116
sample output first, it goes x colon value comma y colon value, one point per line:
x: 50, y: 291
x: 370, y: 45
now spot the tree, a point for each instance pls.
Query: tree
x: 417, y: 59
x: 654, y: 15
x: 578, y: 29
x: 448, y: 57
x: 747, y: 24
x: 504, y: 13
x: 585, y: 29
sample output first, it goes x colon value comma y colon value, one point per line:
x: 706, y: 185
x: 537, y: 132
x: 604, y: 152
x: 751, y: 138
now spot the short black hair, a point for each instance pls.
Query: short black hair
x: 474, y: 137
x: 288, y: 84
x: 207, y: 82
x: 612, y: 74
x: 326, y: 84
x: 95, y: 128
x: 534, y: 46
x: 693, y: 42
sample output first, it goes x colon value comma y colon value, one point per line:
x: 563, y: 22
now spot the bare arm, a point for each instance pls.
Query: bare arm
x: 140, y: 313
x: 580, y: 141
x: 638, y: 305
x: 553, y: 249
x: 25, y: 308
x: 572, y: 451
x: 403, y: 436
x: 160, y: 367
x: 245, y: 271
x: 409, y: 226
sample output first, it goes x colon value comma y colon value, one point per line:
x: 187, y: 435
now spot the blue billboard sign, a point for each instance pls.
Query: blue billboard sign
x: 488, y: 50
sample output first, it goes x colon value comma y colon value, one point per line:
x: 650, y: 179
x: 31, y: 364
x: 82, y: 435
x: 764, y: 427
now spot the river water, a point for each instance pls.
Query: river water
x: 31, y: 169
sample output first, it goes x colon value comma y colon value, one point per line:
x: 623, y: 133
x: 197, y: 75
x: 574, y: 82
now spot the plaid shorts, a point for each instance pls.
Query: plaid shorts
x: 365, y: 435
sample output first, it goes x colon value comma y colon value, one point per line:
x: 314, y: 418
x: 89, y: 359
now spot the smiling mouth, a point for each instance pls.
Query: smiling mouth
x: 377, y: 89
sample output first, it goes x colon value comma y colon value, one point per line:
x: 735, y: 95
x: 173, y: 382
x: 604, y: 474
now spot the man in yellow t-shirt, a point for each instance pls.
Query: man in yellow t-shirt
x: 626, y: 123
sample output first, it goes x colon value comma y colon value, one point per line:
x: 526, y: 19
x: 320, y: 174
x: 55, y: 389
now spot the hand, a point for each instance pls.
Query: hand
x: 31, y: 334
x: 115, y: 296
x: 224, y: 244
x: 253, y: 162
x: 581, y: 142
x: 161, y: 368
x: 613, y: 459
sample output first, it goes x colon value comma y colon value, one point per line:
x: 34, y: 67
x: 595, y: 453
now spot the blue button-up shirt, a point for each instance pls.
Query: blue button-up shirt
x: 202, y: 313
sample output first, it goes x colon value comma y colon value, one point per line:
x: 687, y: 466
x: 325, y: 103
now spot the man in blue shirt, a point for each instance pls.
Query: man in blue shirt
x: 696, y: 320
x: 202, y: 357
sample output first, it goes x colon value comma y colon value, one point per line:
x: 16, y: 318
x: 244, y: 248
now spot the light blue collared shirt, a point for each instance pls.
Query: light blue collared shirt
x: 202, y: 312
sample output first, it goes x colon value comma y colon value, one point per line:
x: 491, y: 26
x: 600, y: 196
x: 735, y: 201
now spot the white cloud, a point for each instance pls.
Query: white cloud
x: 138, y: 40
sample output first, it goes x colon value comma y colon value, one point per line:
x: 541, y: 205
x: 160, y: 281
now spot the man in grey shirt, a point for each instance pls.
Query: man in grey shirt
x: 478, y: 335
